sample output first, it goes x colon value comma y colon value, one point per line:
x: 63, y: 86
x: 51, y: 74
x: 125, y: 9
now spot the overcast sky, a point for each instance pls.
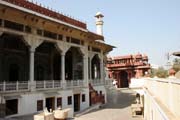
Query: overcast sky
x: 149, y: 27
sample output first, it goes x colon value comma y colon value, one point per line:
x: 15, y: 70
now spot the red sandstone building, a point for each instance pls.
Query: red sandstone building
x: 123, y: 68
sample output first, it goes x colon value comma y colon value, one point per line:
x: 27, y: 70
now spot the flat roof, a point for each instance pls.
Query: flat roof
x: 47, y: 12
x: 176, y: 54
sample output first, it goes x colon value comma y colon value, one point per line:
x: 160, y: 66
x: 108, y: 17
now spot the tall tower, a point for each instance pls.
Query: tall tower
x: 99, y: 23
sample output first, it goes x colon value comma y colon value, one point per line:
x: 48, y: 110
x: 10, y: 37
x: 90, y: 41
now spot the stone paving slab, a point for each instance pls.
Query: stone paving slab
x: 117, y: 108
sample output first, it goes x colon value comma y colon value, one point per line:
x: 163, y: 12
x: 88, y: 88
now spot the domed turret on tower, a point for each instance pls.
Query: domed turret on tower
x: 99, y: 23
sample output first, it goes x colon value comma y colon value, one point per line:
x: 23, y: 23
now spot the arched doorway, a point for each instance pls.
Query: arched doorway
x: 124, y: 79
x: 47, y: 62
x: 15, y: 57
x: 95, y: 67
x: 74, y: 64
x: 68, y: 65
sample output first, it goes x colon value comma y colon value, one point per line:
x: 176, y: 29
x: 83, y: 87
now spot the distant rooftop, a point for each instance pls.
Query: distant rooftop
x: 45, y: 11
x: 176, y: 54
x: 131, y: 56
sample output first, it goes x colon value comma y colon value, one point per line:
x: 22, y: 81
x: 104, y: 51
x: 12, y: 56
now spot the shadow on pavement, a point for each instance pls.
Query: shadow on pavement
x: 120, y: 98
x: 117, y: 99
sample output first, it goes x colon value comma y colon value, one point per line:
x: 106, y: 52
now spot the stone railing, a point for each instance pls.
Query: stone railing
x: 48, y: 84
x: 40, y: 85
x: 14, y: 86
x: 96, y: 82
x: 58, y: 84
x: 74, y: 83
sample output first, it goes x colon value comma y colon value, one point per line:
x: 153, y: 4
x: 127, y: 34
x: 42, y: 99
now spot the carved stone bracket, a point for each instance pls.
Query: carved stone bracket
x: 84, y: 51
x: 63, y: 47
x: 32, y: 41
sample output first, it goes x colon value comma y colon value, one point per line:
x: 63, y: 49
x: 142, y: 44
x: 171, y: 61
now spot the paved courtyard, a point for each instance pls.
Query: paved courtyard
x: 118, y: 107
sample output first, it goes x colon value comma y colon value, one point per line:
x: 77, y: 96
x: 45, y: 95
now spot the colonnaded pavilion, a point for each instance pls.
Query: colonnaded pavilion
x: 48, y: 60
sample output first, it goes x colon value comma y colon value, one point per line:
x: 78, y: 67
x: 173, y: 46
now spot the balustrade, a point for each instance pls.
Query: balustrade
x: 48, y: 84
x: 39, y: 85
x: 14, y: 86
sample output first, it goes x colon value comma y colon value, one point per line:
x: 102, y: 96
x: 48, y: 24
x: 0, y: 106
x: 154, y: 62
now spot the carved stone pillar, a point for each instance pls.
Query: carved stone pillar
x: 63, y: 68
x: 85, y: 69
x: 31, y: 62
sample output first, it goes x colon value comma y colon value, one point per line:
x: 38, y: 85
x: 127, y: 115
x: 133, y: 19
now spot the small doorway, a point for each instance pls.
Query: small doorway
x: 76, y: 102
x: 124, y: 79
x: 90, y: 98
x: 11, y: 107
x: 50, y: 103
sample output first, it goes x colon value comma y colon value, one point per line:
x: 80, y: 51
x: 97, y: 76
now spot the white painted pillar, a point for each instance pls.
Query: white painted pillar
x: 90, y: 77
x: 63, y: 68
x: 85, y: 70
x: 102, y: 69
x: 31, y: 68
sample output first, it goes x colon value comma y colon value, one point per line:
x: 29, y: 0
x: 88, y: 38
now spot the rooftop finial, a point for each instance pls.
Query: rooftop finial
x: 99, y: 23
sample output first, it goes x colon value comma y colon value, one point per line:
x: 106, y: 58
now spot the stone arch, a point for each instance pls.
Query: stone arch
x: 95, y: 67
x: 14, y: 58
x: 16, y: 42
x: 124, y: 79
x: 48, y: 61
x: 74, y: 64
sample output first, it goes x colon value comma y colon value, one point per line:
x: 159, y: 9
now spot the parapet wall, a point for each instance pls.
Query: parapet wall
x: 161, y: 97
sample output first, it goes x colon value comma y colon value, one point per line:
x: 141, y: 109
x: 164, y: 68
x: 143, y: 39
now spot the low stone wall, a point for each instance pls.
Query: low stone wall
x: 161, y: 97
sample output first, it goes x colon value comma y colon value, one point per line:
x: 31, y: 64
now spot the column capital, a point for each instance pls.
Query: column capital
x: 91, y: 55
x: 32, y: 40
x: 85, y: 56
x: 84, y: 50
x: 63, y: 53
x: 63, y: 46
x: 32, y: 49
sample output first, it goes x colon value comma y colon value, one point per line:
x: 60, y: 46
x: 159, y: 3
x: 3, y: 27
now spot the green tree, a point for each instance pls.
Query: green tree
x: 176, y: 64
x: 160, y: 72
x: 153, y: 72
